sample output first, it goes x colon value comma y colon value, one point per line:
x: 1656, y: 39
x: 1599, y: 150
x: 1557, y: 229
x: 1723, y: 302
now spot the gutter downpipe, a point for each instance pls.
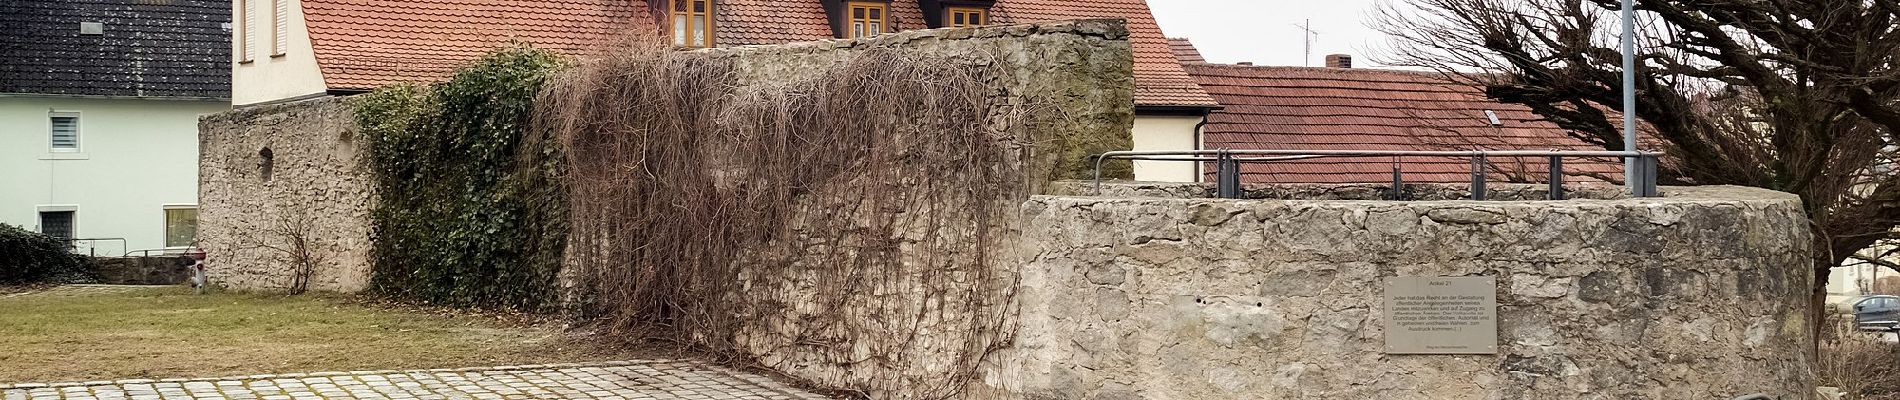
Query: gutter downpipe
x: 1198, y: 145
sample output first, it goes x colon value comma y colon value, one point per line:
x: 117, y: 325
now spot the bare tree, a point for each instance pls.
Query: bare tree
x: 1791, y: 95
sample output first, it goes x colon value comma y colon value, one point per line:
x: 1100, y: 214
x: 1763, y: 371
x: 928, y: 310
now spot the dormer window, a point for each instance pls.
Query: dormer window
x: 868, y: 19
x: 692, y: 23
x: 962, y: 17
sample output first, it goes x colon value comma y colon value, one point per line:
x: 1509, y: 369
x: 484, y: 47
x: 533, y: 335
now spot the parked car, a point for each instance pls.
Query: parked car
x: 1877, y: 312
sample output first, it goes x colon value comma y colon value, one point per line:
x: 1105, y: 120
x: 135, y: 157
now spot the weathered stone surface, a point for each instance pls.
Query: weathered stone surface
x: 912, y: 331
x: 1697, y: 295
x: 316, y: 189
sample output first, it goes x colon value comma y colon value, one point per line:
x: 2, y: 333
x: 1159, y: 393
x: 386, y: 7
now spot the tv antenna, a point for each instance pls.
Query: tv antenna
x: 1308, y: 36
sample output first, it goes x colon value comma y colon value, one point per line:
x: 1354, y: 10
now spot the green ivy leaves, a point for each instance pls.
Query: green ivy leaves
x: 466, y: 215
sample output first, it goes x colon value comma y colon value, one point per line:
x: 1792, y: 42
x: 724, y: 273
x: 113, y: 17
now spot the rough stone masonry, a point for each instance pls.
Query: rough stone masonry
x: 1698, y: 295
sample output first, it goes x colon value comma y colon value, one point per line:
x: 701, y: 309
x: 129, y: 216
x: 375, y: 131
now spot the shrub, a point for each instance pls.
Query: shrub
x: 30, y: 257
x: 469, y: 210
x: 1857, y: 362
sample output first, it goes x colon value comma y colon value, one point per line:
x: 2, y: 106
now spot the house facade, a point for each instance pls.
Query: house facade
x: 1340, y: 107
x: 287, y: 50
x: 99, y: 107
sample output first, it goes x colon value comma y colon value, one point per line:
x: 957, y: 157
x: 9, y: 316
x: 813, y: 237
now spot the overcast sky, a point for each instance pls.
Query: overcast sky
x: 1264, y: 31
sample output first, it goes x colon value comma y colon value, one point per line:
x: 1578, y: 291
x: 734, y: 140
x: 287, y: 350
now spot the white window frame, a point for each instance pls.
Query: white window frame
x: 247, y: 31
x: 40, y: 225
x: 79, y: 131
x: 280, y: 27
x: 165, y: 223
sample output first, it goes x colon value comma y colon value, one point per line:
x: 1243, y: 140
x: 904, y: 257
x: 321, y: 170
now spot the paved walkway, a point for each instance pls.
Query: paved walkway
x: 652, y: 379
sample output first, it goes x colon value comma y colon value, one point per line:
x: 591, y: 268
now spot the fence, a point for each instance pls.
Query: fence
x: 1227, y: 165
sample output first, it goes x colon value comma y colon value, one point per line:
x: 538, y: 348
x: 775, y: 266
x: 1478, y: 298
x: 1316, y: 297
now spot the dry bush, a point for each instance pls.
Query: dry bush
x: 1858, y: 362
x: 863, y: 199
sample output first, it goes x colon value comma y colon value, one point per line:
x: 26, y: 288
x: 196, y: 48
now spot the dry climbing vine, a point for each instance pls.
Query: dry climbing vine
x: 853, y: 214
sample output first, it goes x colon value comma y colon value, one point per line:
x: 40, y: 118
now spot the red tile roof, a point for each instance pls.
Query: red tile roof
x: 363, y: 44
x: 1159, y: 79
x: 1185, y: 51
x: 1360, y: 109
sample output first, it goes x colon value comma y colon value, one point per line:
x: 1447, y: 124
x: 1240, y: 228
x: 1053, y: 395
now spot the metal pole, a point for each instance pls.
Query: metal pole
x: 1228, y: 185
x: 1477, y: 178
x: 1556, y: 178
x: 1398, y: 181
x: 1629, y: 94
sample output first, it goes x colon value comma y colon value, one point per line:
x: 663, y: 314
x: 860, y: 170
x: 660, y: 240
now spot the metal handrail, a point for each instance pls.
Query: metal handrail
x: 94, y: 251
x: 1227, y: 161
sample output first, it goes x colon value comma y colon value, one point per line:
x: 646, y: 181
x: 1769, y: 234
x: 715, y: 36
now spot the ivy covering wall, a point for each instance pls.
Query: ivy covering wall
x: 471, y: 209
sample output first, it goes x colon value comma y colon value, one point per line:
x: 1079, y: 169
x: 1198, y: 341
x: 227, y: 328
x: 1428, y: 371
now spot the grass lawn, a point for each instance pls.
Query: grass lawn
x: 80, y: 333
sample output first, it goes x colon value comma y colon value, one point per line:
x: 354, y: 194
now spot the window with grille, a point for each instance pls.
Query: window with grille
x: 867, y: 19
x: 960, y: 17
x: 692, y: 23
x: 57, y: 224
x: 64, y: 135
x: 181, y: 225
x: 280, y: 27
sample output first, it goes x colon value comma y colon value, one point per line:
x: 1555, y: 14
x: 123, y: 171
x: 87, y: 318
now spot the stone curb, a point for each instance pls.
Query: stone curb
x: 295, y: 375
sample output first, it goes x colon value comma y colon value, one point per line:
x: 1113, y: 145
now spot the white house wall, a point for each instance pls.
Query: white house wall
x: 1155, y: 133
x: 267, y: 78
x: 134, y: 158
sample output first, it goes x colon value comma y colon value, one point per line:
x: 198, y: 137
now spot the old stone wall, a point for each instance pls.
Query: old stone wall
x: 1698, y: 295
x: 1059, y: 91
x: 151, y: 270
x: 263, y: 219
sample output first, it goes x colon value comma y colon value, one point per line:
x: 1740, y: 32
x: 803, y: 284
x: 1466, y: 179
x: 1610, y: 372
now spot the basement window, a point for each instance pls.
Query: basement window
x: 867, y: 19
x: 963, y: 17
x: 692, y: 22
x: 58, y: 224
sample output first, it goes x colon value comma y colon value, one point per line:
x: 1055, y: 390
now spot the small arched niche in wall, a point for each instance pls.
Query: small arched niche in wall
x: 266, y: 163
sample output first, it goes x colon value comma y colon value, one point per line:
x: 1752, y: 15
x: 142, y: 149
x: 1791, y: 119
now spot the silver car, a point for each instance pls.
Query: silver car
x: 1877, y: 312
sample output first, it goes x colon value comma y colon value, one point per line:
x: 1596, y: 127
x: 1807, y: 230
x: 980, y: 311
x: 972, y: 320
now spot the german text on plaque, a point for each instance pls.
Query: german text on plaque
x: 1441, y: 315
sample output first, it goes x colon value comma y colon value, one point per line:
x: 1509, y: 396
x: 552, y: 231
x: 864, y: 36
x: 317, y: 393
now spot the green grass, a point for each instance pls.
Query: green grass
x: 79, y: 333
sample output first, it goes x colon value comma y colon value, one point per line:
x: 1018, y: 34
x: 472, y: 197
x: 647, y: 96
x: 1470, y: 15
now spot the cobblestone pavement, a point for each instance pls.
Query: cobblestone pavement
x: 652, y: 379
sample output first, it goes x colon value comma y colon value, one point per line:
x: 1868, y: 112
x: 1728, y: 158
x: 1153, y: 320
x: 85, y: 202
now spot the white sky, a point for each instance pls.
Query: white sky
x: 1264, y: 31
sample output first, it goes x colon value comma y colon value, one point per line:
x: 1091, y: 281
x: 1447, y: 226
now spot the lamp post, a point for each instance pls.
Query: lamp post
x: 1630, y: 169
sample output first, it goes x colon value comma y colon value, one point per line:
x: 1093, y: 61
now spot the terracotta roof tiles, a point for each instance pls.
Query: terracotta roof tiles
x: 1159, y: 78
x: 1185, y: 51
x: 1362, y: 109
x: 363, y: 44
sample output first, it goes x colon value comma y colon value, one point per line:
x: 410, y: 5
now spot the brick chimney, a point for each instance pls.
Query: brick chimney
x: 1338, y: 61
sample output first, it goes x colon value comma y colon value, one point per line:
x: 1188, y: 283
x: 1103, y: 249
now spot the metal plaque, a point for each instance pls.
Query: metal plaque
x: 1441, y: 315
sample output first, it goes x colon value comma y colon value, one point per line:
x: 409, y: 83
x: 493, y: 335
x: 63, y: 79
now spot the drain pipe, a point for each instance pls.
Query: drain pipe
x: 1198, y: 145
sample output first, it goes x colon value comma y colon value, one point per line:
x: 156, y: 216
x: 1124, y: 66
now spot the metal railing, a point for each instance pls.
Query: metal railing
x: 1227, y: 165
x: 92, y: 247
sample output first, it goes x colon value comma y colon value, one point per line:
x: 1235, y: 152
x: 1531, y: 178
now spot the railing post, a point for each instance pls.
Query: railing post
x: 1645, y: 175
x: 1477, y: 177
x: 1227, y: 185
x: 1556, y: 177
x: 1398, y: 181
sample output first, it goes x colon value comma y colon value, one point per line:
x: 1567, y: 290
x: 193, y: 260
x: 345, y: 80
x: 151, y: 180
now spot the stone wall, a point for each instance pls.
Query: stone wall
x: 316, y: 190
x: 152, y: 270
x: 1059, y: 91
x: 1700, y: 295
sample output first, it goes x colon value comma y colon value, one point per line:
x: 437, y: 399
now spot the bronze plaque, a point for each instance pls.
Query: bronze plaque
x: 1441, y: 315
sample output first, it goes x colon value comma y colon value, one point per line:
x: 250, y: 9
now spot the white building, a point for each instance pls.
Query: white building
x: 99, y: 107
